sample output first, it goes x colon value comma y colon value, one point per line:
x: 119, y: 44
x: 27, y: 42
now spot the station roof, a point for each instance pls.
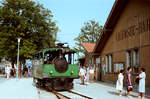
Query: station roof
x: 89, y: 47
x: 112, y: 19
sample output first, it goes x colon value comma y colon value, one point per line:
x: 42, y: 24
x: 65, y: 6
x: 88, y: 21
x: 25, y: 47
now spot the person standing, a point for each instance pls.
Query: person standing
x: 6, y: 71
x: 26, y: 71
x: 119, y: 84
x: 82, y: 75
x: 85, y: 72
x: 87, y: 75
x: 12, y: 71
x: 141, y: 77
x: 23, y: 72
x: 91, y: 74
x: 129, y: 81
x: 8, y: 68
x: 29, y: 71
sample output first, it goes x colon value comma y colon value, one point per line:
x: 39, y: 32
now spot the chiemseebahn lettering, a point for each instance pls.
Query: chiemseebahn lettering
x: 141, y: 27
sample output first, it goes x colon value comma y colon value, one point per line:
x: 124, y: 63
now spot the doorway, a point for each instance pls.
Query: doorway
x: 99, y: 72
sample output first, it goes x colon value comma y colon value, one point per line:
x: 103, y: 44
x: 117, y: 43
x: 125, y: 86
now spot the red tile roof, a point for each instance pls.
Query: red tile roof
x: 89, y: 47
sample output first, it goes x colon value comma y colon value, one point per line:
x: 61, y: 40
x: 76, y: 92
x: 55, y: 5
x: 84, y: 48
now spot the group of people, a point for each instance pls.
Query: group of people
x: 86, y: 74
x: 129, y: 82
x: 10, y: 71
x: 26, y: 72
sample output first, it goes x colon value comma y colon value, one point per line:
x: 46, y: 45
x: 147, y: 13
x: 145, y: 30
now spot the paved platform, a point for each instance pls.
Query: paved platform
x: 24, y: 89
x: 98, y: 90
x: 133, y: 93
x: 18, y: 89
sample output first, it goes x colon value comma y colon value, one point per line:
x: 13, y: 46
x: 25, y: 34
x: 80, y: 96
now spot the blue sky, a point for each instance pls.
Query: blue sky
x: 70, y: 15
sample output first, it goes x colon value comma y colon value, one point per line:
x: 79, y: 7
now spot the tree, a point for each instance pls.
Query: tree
x: 90, y: 33
x: 29, y: 21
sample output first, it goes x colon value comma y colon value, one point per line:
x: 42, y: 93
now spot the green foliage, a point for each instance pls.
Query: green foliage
x: 29, y: 21
x: 90, y: 33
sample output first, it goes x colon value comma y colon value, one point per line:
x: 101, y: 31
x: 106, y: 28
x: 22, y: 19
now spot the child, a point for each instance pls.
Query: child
x: 119, y: 84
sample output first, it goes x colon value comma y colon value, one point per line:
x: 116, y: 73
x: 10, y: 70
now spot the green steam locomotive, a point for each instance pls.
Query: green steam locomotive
x: 54, y: 68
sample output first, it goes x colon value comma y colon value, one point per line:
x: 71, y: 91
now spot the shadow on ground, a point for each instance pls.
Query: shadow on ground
x: 115, y: 93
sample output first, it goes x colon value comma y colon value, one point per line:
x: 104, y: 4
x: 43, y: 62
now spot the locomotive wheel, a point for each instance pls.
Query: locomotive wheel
x: 49, y: 85
x: 40, y: 83
x: 37, y: 85
x: 63, y: 84
x: 70, y: 81
x: 35, y: 81
x: 59, y: 84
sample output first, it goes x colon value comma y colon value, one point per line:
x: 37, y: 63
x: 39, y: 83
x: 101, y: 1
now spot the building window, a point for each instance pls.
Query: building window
x: 118, y: 66
x: 91, y: 61
x: 106, y: 63
x: 110, y: 63
x: 136, y: 61
x: 97, y: 60
x: 128, y: 58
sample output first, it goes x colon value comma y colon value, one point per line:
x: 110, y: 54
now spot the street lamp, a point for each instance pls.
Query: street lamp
x: 18, y: 57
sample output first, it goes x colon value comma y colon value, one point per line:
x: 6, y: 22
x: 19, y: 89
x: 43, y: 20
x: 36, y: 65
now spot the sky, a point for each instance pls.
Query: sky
x: 70, y: 15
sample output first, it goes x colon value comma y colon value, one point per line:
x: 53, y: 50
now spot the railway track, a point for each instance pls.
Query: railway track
x: 62, y: 95
x: 79, y: 94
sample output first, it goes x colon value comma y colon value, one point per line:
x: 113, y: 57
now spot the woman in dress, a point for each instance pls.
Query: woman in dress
x: 119, y: 84
x: 82, y: 75
x: 129, y: 81
x: 141, y: 78
x: 91, y: 74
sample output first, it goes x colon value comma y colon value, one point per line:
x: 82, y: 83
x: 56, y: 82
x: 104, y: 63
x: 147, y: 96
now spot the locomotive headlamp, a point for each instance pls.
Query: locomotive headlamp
x: 51, y: 72
x: 72, y: 72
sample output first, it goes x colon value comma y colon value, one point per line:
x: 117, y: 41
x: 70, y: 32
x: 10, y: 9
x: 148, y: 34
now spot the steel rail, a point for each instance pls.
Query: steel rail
x: 59, y: 94
x: 79, y: 94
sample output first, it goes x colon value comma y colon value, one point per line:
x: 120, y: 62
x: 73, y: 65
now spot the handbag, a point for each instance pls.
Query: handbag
x: 130, y: 88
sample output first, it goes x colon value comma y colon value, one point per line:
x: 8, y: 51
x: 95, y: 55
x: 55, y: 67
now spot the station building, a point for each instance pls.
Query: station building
x: 124, y: 41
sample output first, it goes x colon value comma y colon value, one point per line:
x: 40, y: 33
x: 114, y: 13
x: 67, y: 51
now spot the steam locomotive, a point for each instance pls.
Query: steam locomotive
x: 54, y: 68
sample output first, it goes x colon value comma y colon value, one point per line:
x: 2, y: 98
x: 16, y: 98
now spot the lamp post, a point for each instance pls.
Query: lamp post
x: 18, y: 57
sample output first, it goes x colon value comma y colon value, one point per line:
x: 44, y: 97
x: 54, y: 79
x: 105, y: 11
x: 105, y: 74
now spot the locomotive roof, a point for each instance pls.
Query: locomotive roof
x: 59, y: 48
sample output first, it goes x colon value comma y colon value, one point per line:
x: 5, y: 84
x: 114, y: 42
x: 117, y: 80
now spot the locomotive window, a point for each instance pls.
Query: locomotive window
x: 49, y: 56
x: 69, y: 58
x: 36, y: 56
x: 66, y: 57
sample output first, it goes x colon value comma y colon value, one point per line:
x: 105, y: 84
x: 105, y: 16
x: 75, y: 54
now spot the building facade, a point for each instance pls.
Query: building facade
x: 125, y: 40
